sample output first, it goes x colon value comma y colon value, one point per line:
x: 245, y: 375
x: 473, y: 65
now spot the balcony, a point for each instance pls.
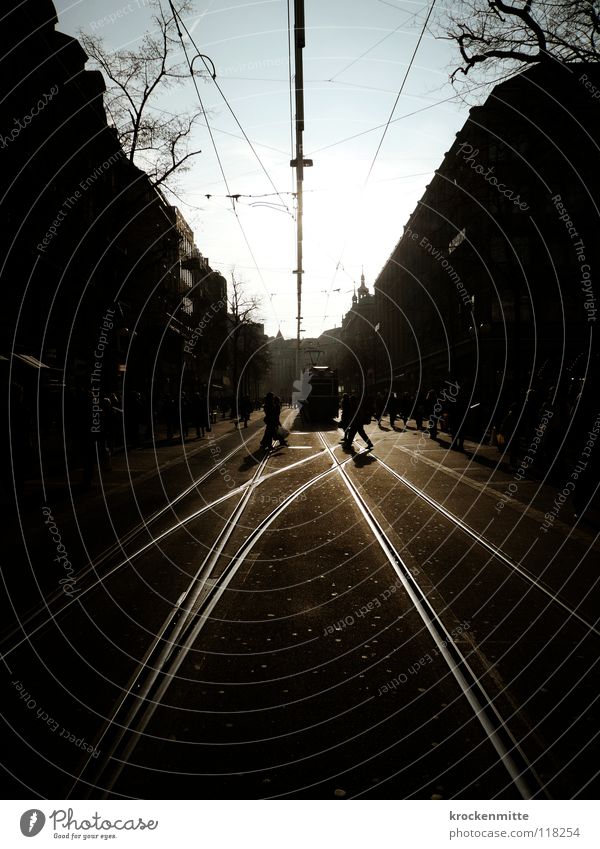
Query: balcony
x: 194, y: 261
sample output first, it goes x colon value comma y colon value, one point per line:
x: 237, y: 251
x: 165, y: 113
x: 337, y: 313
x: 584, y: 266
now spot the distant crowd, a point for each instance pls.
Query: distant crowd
x: 551, y: 431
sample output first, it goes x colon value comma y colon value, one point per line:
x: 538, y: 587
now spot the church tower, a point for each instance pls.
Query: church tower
x: 362, y: 289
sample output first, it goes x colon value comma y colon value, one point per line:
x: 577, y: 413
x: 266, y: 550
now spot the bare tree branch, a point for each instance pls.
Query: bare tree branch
x: 493, y: 33
x: 158, y: 142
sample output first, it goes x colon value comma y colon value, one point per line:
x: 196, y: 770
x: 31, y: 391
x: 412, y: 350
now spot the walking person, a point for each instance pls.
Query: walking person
x: 586, y: 476
x: 553, y: 450
x: 379, y: 407
x: 405, y: 404
x: 280, y: 432
x: 184, y: 416
x: 271, y: 411
x: 345, y: 411
x: 169, y: 412
x: 457, y: 417
x: 432, y: 413
x: 360, y: 414
x: 518, y: 425
x: 133, y: 414
x: 419, y: 412
x: 245, y: 410
x: 199, y: 414
x: 87, y: 425
x: 107, y: 433
x: 392, y: 408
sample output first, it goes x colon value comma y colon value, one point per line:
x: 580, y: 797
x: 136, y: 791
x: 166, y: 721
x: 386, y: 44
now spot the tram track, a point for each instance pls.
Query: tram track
x: 182, y: 627
x: 520, y: 771
x: 492, y: 549
x: 178, y: 635
x: 59, y: 603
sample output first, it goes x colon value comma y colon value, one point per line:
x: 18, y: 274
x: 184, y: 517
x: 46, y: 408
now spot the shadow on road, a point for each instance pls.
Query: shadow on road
x: 303, y: 426
x: 251, y: 459
x: 363, y: 459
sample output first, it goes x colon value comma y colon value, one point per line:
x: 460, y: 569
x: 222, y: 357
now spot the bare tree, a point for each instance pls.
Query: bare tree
x: 157, y: 141
x: 504, y: 37
x: 244, y: 336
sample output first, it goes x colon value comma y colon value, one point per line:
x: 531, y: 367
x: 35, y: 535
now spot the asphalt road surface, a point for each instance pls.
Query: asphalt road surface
x: 215, y: 621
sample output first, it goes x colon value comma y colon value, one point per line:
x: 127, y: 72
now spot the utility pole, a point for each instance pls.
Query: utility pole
x: 299, y: 163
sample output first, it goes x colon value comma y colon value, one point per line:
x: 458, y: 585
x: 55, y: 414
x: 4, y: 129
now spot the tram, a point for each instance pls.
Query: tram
x: 321, y: 402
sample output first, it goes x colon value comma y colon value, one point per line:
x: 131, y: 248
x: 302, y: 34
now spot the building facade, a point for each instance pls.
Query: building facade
x: 103, y: 286
x: 491, y: 281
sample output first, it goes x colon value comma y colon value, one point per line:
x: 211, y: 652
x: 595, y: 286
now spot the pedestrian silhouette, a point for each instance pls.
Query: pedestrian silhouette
x: 245, y: 410
x: 392, y: 408
x: 360, y: 415
x: 379, y: 407
x: 271, y: 410
x: 345, y: 411
x: 458, y: 409
x: 432, y: 413
x: 199, y: 415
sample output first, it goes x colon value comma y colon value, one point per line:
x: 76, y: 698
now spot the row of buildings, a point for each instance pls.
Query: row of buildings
x: 493, y: 281
x: 100, y: 272
x: 105, y: 293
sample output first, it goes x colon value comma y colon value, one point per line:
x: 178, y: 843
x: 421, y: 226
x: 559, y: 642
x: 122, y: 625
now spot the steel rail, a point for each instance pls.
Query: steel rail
x: 117, y: 546
x: 179, y: 632
x: 162, y: 645
x: 99, y: 579
x: 490, y: 547
x: 512, y: 757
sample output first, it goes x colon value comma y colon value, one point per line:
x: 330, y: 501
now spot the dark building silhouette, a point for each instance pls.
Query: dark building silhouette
x: 361, y: 344
x: 492, y: 280
x: 102, y: 284
x: 283, y: 379
x: 183, y: 324
x: 330, y: 344
x: 283, y: 365
x: 204, y: 316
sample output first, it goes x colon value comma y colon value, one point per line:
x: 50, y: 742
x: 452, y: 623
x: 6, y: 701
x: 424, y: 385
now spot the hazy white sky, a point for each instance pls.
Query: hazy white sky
x: 357, y: 53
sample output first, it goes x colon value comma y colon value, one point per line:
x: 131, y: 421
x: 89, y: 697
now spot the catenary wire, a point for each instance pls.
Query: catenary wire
x: 178, y: 22
x: 410, y: 64
x: 373, y: 46
x: 408, y: 114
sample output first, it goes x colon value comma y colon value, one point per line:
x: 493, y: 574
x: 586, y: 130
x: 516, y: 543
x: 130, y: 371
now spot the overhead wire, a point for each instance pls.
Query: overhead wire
x: 410, y: 64
x: 226, y: 132
x: 373, y: 46
x: 291, y: 99
x: 410, y: 114
x: 177, y: 20
x: 387, y: 124
x: 401, y: 117
x: 221, y: 92
x: 397, y: 8
x: 380, y: 126
x: 348, y: 138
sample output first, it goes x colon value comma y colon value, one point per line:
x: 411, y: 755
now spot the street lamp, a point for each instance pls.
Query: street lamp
x: 375, y: 334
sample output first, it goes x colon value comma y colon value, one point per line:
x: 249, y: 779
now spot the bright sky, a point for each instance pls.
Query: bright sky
x: 357, y: 53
